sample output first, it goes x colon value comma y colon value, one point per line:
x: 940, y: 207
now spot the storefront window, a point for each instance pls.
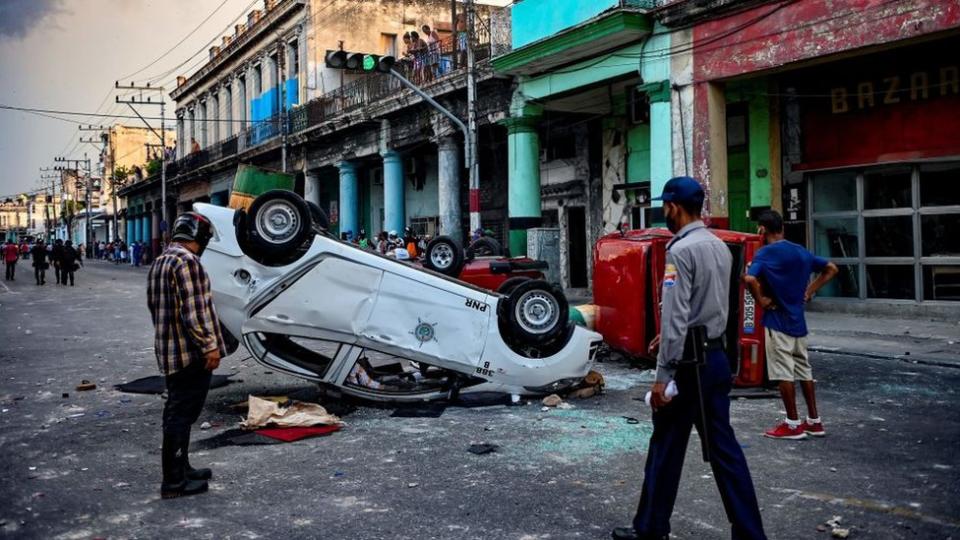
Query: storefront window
x: 878, y: 207
x: 835, y: 237
x: 889, y: 188
x: 940, y: 184
x: 889, y: 236
x: 941, y: 235
x: 845, y: 285
x: 835, y: 192
x: 941, y: 282
x: 890, y: 281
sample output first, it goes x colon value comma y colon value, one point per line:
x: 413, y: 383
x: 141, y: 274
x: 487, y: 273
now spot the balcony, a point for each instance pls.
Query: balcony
x: 550, y: 33
x: 433, y: 66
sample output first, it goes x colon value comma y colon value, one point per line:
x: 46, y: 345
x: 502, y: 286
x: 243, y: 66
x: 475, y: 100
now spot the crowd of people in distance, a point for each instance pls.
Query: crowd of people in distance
x: 65, y: 258
x: 135, y: 254
x: 410, y: 246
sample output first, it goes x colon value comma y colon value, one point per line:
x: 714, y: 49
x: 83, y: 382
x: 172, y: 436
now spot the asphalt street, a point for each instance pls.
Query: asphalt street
x: 87, y: 465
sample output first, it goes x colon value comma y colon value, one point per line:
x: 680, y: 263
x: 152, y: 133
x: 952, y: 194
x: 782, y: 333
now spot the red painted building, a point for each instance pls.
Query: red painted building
x: 846, y: 116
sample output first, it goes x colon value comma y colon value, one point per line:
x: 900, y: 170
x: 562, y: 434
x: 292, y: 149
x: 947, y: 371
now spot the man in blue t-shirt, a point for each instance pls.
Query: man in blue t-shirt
x: 779, y: 278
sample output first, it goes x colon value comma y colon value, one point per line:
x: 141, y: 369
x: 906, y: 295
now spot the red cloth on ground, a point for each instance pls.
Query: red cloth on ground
x: 291, y: 434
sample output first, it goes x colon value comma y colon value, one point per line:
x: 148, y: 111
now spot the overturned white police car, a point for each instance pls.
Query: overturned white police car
x: 309, y: 305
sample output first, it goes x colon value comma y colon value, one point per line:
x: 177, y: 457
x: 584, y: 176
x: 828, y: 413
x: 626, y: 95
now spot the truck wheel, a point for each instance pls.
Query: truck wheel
x: 484, y: 247
x: 278, y: 223
x: 535, y: 312
x: 444, y: 255
x: 510, y: 284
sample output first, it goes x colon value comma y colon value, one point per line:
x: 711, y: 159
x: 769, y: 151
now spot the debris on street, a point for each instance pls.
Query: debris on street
x: 266, y: 413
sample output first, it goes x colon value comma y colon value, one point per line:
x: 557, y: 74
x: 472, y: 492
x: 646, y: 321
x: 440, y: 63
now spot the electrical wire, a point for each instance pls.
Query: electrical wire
x: 171, y: 49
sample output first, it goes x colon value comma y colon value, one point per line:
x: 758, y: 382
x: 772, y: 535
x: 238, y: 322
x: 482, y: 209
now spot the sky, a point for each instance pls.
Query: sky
x: 66, y: 54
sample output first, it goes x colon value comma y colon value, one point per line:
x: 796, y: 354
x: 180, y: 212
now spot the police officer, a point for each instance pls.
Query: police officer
x: 696, y: 287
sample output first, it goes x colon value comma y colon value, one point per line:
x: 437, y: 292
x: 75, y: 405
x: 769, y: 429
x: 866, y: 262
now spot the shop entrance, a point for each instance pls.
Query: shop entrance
x: 738, y: 169
x: 577, y: 236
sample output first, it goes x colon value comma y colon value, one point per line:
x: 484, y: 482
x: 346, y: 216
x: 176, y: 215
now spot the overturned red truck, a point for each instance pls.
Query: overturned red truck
x: 627, y: 278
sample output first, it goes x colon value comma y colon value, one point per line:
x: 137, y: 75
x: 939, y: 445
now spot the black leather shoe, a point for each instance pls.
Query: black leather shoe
x: 182, y: 489
x: 198, y: 474
x: 625, y: 533
x: 629, y: 533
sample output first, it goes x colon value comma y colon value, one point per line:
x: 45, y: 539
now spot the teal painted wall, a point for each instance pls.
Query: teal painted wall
x: 584, y: 73
x: 638, y: 161
x: 533, y: 20
x: 754, y: 93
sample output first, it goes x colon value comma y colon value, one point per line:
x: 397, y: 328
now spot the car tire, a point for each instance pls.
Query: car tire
x: 484, y: 247
x: 535, y: 313
x: 278, y: 223
x: 444, y: 255
x: 510, y: 284
x: 317, y: 216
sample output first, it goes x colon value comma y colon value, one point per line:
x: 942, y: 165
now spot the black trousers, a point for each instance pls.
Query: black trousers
x: 186, y: 393
x: 668, y: 446
x: 40, y: 273
x: 11, y: 269
x: 64, y: 273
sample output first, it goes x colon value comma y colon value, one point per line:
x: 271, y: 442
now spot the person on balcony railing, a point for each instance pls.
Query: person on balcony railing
x: 462, y: 40
x: 194, y: 146
x: 433, y: 50
x: 421, y: 65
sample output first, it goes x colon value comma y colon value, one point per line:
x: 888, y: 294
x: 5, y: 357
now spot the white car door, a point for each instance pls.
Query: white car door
x: 332, y: 301
x: 433, y: 322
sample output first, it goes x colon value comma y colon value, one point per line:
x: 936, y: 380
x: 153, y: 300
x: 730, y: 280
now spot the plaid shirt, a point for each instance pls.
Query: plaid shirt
x: 181, y: 306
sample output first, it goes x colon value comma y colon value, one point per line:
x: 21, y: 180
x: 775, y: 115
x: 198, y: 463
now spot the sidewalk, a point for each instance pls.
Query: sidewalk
x: 910, y: 340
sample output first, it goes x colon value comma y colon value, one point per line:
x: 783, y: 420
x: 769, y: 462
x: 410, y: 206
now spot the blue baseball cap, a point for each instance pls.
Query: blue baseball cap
x: 681, y: 189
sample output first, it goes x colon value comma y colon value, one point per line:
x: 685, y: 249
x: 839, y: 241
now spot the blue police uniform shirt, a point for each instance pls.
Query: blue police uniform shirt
x: 784, y: 268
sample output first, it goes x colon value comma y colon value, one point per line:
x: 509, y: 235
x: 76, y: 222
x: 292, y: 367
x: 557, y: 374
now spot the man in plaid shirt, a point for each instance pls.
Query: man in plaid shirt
x: 188, y: 344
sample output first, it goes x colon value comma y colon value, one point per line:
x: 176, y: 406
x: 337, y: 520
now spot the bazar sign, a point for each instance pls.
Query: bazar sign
x: 895, y: 89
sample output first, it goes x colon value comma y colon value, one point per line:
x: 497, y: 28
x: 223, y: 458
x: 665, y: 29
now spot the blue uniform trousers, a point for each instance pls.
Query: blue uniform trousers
x: 668, y: 447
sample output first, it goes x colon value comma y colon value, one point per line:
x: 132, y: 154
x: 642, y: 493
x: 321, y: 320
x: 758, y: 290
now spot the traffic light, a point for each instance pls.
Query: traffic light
x: 356, y: 61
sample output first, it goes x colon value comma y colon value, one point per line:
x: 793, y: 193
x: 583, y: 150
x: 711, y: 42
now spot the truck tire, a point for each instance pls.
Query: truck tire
x: 444, y: 255
x: 484, y: 247
x: 278, y: 223
x: 510, y: 284
x: 317, y: 216
x: 535, y: 313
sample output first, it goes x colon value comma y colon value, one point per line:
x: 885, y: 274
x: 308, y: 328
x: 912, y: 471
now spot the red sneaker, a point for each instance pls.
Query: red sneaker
x: 814, y: 430
x: 784, y: 431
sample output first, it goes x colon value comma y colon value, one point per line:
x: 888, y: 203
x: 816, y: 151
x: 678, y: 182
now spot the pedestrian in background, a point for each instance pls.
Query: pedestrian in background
x: 25, y: 250
x: 56, y: 254
x: 119, y: 252
x: 779, y: 278
x: 11, y: 252
x: 70, y: 262
x: 188, y: 345
x: 40, y: 263
x: 695, y: 296
x: 137, y: 253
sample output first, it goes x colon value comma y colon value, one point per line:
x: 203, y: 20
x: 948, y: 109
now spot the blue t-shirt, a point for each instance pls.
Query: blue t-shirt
x: 785, y: 268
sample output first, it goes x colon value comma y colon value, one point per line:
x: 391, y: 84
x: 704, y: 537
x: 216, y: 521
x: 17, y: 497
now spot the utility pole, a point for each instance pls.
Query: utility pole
x: 104, y: 139
x: 74, y: 165
x: 53, y: 192
x: 164, y: 223
x: 471, y: 141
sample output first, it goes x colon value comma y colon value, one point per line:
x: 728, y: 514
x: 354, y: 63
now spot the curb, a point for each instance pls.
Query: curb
x: 902, y: 358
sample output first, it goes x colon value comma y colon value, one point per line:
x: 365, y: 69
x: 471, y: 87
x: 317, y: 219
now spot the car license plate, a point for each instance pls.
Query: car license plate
x: 749, y: 312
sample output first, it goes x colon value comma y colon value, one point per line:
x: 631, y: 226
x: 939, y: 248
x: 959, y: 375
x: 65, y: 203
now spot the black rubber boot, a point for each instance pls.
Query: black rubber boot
x: 194, y: 474
x: 175, y: 481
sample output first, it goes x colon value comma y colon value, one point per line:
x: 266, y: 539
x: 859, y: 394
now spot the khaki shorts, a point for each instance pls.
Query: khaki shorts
x: 787, y: 358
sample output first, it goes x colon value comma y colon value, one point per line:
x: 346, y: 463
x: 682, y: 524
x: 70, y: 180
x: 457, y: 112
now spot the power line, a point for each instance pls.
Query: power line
x: 171, y: 49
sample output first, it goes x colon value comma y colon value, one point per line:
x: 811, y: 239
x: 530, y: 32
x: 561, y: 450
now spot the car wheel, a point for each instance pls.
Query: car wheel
x: 484, y: 247
x: 444, y: 255
x: 278, y: 223
x: 317, y: 216
x: 507, y: 286
x: 535, y: 313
